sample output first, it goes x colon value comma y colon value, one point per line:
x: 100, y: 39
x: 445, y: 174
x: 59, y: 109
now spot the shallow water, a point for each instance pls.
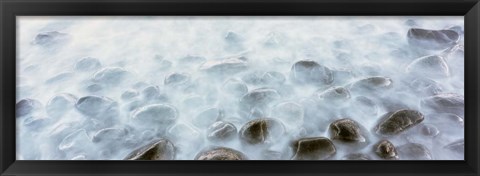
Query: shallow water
x: 194, y: 71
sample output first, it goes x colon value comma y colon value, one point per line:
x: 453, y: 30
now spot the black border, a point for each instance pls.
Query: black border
x: 470, y: 9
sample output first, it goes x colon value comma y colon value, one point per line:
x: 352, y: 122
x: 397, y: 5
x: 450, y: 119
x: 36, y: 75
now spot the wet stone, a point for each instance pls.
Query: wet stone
x: 429, y: 130
x: 129, y: 94
x: 235, y: 87
x: 176, y: 79
x: 95, y: 106
x: 110, y: 134
x: 396, y: 122
x: 60, y: 104
x: 386, y: 150
x: 429, y: 66
x: 225, y: 66
x: 310, y: 72
x: 258, y: 99
x: 456, y: 146
x: 365, y: 105
x: 335, y: 94
x: 156, y: 115
x: 445, y: 103
x: 92, y: 88
x: 111, y: 76
x: 153, y: 93
x: 88, y: 64
x: 315, y: 148
x: 221, y: 131
x: 192, y: 60
x: 207, y: 117
x: 432, y: 39
x: 346, y: 130
x: 425, y: 86
x: 220, y: 153
x: 414, y: 151
x: 356, y: 156
x: 161, y: 149
x: 27, y: 107
x: 260, y: 131
x: 50, y: 38
x: 37, y: 123
x: 60, y: 78
x: 371, y: 85
x: 233, y: 38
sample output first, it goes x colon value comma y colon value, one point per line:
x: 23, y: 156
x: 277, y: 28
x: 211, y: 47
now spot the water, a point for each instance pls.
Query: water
x: 101, y: 87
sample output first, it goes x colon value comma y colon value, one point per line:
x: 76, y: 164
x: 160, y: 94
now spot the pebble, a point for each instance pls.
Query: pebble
x: 314, y: 148
x: 161, y: 149
x: 396, y: 122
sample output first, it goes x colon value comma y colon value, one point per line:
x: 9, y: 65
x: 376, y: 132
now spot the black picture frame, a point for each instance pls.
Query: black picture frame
x: 9, y: 9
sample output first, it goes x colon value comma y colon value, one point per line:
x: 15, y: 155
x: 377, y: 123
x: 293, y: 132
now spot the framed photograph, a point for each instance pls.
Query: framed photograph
x: 255, y: 87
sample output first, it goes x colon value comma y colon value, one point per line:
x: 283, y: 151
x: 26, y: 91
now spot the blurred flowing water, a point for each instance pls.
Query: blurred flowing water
x: 97, y: 88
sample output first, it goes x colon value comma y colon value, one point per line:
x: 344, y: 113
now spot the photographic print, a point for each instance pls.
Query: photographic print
x: 240, y: 88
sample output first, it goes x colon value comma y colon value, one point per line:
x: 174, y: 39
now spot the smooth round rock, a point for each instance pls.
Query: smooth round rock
x: 110, y: 134
x: 60, y: 104
x: 207, y: 117
x: 50, y: 38
x: 95, y: 105
x: 371, y: 85
x: 27, y: 106
x: 335, y: 94
x: 129, y: 94
x: 220, y: 153
x: 225, y: 67
x: 235, y: 87
x: 221, y: 131
x: 157, y: 115
x: 414, y: 151
x: 60, y: 78
x: 432, y: 39
x: 429, y: 130
x: 260, y: 131
x: 425, y: 86
x: 433, y: 66
x: 445, y: 103
x: 346, y: 130
x: 88, y: 64
x: 176, y: 79
x: 111, y: 76
x: 396, y: 122
x: 315, y: 148
x: 161, y: 149
x: 386, y: 150
x: 310, y: 72
x: 153, y: 93
x: 258, y: 99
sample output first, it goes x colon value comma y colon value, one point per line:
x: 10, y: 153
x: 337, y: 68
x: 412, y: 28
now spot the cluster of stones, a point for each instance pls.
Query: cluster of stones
x: 159, y: 115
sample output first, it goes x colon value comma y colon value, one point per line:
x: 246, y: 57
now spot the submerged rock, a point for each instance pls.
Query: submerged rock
x: 95, y: 106
x: 161, y: 149
x: 371, y: 85
x: 155, y: 115
x: 88, y: 64
x: 261, y: 131
x: 225, y: 67
x: 207, y: 117
x: 445, y: 103
x: 346, y: 130
x: 258, y: 99
x: 424, y: 86
x: 396, y: 122
x: 334, y: 95
x: 50, y: 38
x: 27, y: 106
x: 220, y: 153
x: 456, y: 146
x: 111, y: 76
x: 235, y: 87
x: 315, y: 148
x: 59, y: 78
x: 176, y: 79
x: 290, y: 113
x: 414, y: 151
x: 432, y: 39
x: 310, y: 72
x: 60, y: 104
x: 429, y: 66
x: 221, y: 131
x: 386, y: 150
